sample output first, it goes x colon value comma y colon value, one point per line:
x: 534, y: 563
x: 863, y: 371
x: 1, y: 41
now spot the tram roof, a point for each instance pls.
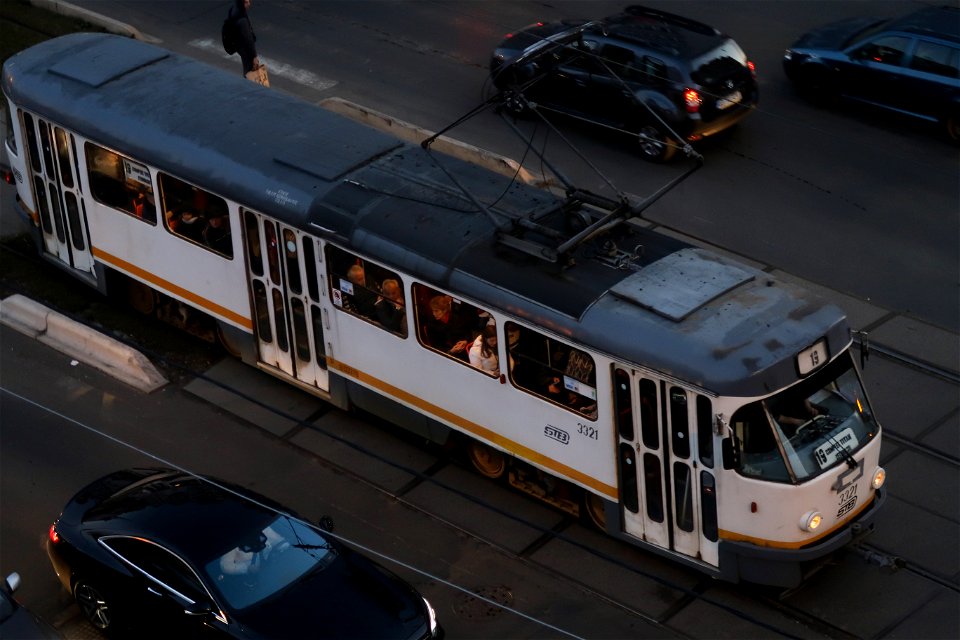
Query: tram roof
x: 687, y: 312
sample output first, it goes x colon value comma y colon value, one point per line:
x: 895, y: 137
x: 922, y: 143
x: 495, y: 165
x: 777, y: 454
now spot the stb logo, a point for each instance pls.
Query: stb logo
x: 559, y: 435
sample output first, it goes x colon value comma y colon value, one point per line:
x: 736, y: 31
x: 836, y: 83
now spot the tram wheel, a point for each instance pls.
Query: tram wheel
x: 227, y: 342
x: 141, y: 297
x: 487, y: 460
x: 593, y: 509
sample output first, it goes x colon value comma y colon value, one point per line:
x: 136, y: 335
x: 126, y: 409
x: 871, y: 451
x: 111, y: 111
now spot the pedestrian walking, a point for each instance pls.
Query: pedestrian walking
x: 243, y: 37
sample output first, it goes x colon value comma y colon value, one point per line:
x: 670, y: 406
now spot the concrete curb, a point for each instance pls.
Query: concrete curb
x: 73, y: 11
x: 81, y: 342
x: 414, y: 134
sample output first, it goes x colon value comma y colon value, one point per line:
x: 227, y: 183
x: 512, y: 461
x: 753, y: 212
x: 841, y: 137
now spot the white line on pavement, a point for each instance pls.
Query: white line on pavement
x: 275, y: 68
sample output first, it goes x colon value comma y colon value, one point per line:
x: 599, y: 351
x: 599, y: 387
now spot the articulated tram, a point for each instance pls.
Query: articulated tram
x: 679, y: 400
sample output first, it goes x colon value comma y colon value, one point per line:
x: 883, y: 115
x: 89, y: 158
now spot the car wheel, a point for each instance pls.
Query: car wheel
x: 655, y: 145
x: 94, y: 606
x: 514, y: 104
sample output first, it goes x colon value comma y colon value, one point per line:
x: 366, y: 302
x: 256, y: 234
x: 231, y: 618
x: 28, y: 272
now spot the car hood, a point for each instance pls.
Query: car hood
x: 351, y: 598
x: 836, y: 35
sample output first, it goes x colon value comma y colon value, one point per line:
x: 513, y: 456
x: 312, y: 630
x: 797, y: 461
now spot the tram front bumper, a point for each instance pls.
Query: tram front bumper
x: 745, y: 562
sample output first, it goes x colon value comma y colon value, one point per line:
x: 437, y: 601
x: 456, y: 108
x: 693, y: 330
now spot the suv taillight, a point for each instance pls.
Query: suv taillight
x: 693, y: 100
x: 753, y: 68
x: 54, y: 536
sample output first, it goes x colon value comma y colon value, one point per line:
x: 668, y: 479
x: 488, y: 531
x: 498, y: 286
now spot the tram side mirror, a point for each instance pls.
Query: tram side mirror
x: 730, y: 453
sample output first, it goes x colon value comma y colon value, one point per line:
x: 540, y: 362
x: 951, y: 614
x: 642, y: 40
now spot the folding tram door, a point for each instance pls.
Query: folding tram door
x: 667, y: 486
x: 54, y: 173
x: 283, y: 268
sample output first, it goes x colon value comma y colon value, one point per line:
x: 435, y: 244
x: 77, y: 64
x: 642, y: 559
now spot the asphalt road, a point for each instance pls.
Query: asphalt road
x: 851, y: 199
x: 818, y: 194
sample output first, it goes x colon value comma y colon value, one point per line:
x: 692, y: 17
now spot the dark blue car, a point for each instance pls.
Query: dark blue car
x: 910, y: 65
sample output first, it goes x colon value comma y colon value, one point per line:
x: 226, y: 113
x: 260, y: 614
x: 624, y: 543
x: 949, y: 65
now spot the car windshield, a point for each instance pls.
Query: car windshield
x: 266, y: 561
x: 866, y: 33
x: 802, y: 431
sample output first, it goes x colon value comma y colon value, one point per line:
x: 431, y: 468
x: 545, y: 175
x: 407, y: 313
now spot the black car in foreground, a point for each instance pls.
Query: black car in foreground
x: 159, y: 550
x: 910, y: 65
x: 661, y: 78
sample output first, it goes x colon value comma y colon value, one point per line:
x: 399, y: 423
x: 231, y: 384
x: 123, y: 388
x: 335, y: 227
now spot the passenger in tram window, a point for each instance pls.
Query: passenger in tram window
x: 173, y: 220
x: 390, y: 309
x: 446, y: 330
x: 483, y: 351
x: 191, y: 226
x: 520, y: 367
x: 554, y: 389
x: 362, y: 300
x: 217, y: 236
x: 581, y: 404
x: 137, y: 202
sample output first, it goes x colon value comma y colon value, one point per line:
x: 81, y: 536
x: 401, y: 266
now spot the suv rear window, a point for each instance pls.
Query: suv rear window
x: 719, y: 63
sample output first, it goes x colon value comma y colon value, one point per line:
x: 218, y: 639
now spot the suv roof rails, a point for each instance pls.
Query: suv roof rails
x: 639, y: 11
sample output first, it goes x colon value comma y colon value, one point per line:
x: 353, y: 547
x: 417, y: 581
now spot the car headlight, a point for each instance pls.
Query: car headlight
x: 810, y: 521
x: 788, y: 55
x: 432, y: 614
x: 879, y: 477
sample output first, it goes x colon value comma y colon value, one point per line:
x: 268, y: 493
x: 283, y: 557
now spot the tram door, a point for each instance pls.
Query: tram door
x: 666, y: 494
x: 54, y: 171
x: 283, y: 266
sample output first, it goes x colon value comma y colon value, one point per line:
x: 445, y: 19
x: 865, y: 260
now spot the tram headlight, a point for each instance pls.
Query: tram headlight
x: 810, y: 521
x: 879, y: 477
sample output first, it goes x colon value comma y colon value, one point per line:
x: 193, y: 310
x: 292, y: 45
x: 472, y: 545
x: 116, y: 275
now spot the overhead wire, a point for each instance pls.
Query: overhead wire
x: 323, y: 532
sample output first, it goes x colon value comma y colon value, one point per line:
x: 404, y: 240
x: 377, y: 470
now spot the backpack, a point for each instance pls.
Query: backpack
x: 229, y: 36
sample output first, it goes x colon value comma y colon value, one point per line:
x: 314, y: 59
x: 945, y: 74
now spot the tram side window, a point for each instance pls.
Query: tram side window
x: 705, y: 430
x: 552, y: 370
x: 366, y: 290
x: 196, y: 215
x: 456, y: 329
x: 120, y: 183
x: 759, y: 455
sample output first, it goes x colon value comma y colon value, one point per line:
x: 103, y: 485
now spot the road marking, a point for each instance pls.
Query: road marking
x: 301, y: 76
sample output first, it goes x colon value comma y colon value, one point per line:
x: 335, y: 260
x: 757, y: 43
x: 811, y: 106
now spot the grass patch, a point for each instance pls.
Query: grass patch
x: 24, y: 25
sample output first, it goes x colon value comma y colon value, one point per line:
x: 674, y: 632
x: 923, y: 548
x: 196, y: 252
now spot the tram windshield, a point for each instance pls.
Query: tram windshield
x: 802, y: 431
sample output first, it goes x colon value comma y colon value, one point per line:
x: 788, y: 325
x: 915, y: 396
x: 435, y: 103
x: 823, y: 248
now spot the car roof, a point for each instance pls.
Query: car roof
x: 942, y: 22
x: 185, y: 513
x: 663, y: 31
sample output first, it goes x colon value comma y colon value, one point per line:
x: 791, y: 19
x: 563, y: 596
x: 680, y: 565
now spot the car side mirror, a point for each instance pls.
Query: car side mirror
x: 730, y: 454
x: 12, y: 582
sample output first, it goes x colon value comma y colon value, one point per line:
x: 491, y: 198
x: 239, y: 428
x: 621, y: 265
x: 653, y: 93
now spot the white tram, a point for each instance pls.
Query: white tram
x: 685, y: 403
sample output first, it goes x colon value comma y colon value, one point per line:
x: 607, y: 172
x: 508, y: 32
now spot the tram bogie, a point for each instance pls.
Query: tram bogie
x: 682, y: 402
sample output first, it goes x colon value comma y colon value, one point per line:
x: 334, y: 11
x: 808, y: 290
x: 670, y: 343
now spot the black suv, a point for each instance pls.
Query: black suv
x: 661, y: 78
x: 909, y: 65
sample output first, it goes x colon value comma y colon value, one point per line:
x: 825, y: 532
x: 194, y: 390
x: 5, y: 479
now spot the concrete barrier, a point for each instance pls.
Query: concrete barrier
x: 24, y: 315
x: 79, y: 341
